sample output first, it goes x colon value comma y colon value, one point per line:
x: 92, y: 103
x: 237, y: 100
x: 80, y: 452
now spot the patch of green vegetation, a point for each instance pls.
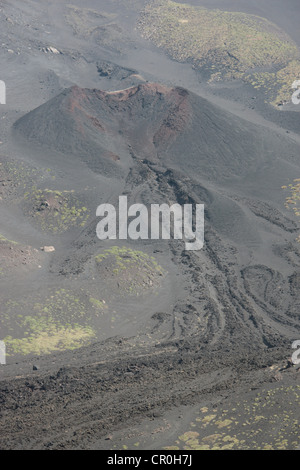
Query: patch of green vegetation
x: 63, y: 320
x: 56, y: 211
x: 126, y: 257
x: 224, y: 45
x: 19, y: 172
x: 134, y: 270
x: 264, y: 422
x: 277, y: 85
x: 48, y: 337
x: 97, y: 303
x: 16, y: 176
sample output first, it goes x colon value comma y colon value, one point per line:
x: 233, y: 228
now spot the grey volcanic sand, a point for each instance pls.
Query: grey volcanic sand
x: 181, y: 336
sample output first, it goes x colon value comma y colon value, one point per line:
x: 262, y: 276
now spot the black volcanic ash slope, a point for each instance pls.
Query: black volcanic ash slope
x: 158, y: 122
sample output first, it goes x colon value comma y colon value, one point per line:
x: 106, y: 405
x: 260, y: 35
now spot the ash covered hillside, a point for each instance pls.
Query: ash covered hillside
x: 161, y: 124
